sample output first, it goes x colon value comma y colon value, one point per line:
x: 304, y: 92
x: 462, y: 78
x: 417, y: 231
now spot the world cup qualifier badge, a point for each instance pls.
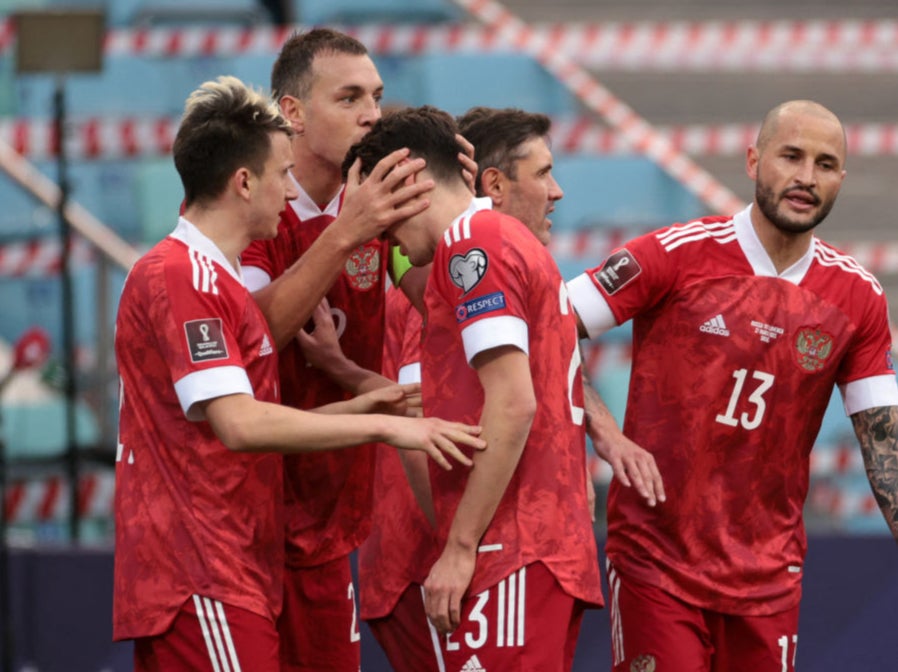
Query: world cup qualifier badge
x: 617, y: 271
x: 812, y: 348
x: 363, y: 266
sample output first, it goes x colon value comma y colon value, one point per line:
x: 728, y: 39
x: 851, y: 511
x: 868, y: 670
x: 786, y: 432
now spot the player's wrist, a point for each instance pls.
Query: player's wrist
x: 459, y: 543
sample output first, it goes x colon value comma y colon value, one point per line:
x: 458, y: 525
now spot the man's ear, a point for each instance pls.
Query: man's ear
x: 752, y: 156
x: 494, y: 184
x: 294, y: 111
x: 241, y: 182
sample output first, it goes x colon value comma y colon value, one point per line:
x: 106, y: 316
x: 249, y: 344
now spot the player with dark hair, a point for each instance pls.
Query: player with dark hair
x: 516, y: 554
x: 329, y: 89
x: 199, y: 516
x: 742, y: 326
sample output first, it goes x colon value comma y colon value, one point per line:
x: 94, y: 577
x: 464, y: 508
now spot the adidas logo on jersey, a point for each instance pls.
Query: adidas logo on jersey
x: 715, y: 325
x: 266, y: 348
x: 473, y: 665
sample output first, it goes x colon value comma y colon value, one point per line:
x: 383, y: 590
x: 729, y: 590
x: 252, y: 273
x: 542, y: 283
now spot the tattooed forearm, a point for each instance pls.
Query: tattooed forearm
x: 877, y: 432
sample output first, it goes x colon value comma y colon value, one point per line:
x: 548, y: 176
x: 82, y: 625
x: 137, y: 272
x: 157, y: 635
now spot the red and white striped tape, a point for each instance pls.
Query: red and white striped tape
x: 133, y: 137
x: 615, y: 112
x: 841, y: 503
x: 837, y: 460
x: 41, y: 257
x: 838, y: 46
x: 91, y: 138
x: 48, y: 499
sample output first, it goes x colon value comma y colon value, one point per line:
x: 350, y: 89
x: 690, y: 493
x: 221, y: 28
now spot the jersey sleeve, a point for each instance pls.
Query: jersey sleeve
x: 484, y: 277
x: 260, y: 255
x: 196, y: 334
x: 867, y: 375
x: 634, y: 278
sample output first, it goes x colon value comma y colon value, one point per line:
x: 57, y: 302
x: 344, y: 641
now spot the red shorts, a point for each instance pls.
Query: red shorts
x: 526, y: 622
x: 406, y: 636
x: 209, y: 636
x: 651, y: 629
x: 319, y: 624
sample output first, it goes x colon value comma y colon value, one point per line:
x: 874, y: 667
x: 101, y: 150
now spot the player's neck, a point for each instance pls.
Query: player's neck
x: 446, y: 205
x: 219, y: 225
x: 319, y: 179
x: 783, y: 248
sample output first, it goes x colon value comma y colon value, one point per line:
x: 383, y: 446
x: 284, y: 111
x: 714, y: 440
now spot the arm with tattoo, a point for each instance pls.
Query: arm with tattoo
x: 877, y: 431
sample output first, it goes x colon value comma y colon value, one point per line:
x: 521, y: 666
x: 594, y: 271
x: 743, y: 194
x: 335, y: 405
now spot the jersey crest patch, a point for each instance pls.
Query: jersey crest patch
x: 643, y: 663
x: 482, y: 304
x: 205, y: 340
x: 812, y: 348
x: 618, y: 271
x: 363, y: 267
x: 468, y: 270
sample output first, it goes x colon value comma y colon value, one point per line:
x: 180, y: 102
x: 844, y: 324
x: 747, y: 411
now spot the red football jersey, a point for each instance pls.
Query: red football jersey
x: 191, y: 516
x: 400, y: 549
x: 327, y: 494
x: 494, y: 284
x: 733, y: 367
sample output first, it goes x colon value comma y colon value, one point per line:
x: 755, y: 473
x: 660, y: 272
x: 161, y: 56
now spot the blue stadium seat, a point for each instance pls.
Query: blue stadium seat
x: 253, y: 70
x: 619, y: 191
x: 36, y: 300
x: 21, y: 214
x: 159, y: 12
x: 7, y: 86
x: 365, y: 11
x: 128, y: 85
x: 456, y: 82
x: 836, y: 427
x: 37, y: 430
x: 159, y: 194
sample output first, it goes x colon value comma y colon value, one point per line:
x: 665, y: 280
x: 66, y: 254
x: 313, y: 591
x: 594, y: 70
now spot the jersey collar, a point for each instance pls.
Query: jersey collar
x: 759, y: 259
x: 305, y: 208
x: 195, y: 239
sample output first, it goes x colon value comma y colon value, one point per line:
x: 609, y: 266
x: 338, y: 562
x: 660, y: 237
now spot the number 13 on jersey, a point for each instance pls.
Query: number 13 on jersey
x: 756, y: 388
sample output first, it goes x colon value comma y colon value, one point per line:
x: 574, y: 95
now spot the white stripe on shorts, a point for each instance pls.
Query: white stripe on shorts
x: 217, y: 634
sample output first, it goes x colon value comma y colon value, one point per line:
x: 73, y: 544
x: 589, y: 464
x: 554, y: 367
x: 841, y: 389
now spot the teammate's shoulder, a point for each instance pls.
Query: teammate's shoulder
x: 703, y: 230
x: 833, y: 260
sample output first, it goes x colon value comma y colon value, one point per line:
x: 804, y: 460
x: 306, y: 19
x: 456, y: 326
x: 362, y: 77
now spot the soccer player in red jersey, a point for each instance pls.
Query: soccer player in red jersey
x: 742, y: 325
x: 517, y: 562
x: 199, y: 501
x: 329, y: 89
x: 515, y: 170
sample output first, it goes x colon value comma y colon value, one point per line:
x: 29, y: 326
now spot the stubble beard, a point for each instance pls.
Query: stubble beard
x: 769, y: 204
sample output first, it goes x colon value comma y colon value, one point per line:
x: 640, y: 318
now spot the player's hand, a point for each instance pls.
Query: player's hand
x: 438, y: 438
x: 468, y: 164
x: 395, y: 399
x: 321, y: 348
x: 633, y: 466
x: 383, y: 198
x: 445, y: 586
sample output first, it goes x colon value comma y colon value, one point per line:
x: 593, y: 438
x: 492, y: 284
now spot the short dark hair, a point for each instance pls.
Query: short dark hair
x: 291, y: 74
x: 497, y: 135
x: 426, y: 131
x: 226, y: 125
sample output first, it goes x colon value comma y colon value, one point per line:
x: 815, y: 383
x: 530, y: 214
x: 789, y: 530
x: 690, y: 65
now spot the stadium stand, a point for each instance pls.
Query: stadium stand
x: 608, y: 197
